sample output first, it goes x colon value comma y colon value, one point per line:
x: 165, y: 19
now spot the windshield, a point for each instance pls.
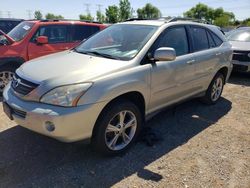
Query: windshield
x: 20, y: 31
x: 121, y: 41
x: 239, y: 35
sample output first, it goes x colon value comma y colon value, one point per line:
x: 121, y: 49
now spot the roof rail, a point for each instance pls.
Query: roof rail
x: 188, y: 19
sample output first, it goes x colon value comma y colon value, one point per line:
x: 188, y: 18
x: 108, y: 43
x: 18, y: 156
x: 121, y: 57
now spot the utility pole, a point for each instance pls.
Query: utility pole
x: 9, y: 14
x: 99, y: 7
x: 1, y: 14
x: 29, y: 13
x: 87, y: 8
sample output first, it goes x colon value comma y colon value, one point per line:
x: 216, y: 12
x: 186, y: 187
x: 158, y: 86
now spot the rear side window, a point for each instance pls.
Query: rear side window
x: 175, y: 38
x: 200, y: 40
x: 81, y: 32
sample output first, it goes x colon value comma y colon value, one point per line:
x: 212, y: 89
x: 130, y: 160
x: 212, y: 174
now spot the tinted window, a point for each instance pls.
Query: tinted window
x: 217, y: 40
x: 211, y: 40
x: 55, y: 33
x: 80, y: 32
x: 6, y: 26
x: 175, y: 38
x: 200, y: 41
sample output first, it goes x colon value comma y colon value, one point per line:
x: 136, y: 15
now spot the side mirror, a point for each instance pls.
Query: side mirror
x: 42, y: 40
x: 165, y: 54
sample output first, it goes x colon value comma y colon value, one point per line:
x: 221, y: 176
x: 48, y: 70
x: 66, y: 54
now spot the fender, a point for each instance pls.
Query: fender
x: 14, y: 60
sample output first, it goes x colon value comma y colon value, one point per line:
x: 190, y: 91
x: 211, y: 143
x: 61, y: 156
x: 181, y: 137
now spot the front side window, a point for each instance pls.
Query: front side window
x: 200, y: 40
x: 81, y: 32
x: 120, y: 41
x: 174, y: 38
x: 20, y: 31
x: 55, y: 33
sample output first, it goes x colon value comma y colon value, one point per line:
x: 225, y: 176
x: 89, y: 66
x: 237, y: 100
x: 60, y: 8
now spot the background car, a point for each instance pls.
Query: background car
x: 35, y: 38
x: 240, y: 41
x: 7, y: 24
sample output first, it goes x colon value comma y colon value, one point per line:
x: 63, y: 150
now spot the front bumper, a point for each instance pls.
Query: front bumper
x: 241, y: 66
x: 70, y: 124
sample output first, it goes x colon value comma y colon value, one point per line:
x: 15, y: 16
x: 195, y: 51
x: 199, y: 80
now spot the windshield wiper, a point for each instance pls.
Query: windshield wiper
x: 98, y: 54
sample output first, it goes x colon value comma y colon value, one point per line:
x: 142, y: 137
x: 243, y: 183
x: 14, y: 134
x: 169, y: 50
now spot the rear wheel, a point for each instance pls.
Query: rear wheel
x: 117, y: 128
x: 6, y: 75
x: 215, y: 89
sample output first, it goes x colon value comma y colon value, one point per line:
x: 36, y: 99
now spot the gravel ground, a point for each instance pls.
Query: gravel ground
x: 201, y: 146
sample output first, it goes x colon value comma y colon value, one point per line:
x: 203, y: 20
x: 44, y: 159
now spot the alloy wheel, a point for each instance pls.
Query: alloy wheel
x: 120, y: 130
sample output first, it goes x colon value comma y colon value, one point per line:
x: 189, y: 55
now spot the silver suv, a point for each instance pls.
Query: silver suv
x: 105, y: 88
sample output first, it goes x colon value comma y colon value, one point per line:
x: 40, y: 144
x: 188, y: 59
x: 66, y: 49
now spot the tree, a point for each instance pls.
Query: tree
x: 148, y: 12
x: 38, y: 15
x: 100, y: 17
x: 51, y: 16
x: 125, y: 10
x: 87, y: 17
x: 216, y: 16
x: 112, y: 14
x: 200, y: 11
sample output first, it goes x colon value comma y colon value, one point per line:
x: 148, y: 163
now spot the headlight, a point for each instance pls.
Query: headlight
x: 65, y: 95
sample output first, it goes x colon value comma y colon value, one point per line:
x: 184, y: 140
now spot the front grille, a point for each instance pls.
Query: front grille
x: 241, y: 56
x: 19, y: 113
x: 22, y: 86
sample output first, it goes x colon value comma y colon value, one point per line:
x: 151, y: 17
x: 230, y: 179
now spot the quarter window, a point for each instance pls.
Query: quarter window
x: 200, y: 40
x: 217, y: 40
x: 175, y: 38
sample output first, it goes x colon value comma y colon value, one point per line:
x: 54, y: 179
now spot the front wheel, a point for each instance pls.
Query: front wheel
x: 215, y: 89
x: 6, y: 75
x: 117, y: 128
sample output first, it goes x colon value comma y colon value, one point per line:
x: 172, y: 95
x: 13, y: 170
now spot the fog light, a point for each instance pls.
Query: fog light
x: 49, y: 126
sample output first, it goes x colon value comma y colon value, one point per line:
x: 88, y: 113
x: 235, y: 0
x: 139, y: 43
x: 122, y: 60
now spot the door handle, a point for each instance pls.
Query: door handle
x: 219, y: 53
x: 190, y: 62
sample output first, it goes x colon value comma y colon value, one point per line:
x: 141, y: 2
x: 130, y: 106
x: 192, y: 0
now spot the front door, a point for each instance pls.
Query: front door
x: 58, y: 40
x: 172, y: 80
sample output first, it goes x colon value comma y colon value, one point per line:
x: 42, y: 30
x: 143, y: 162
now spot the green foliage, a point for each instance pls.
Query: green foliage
x: 216, y: 16
x: 112, y: 14
x: 51, y: 16
x: 38, y: 15
x: 148, y: 12
x: 125, y: 10
x: 87, y: 17
x: 100, y: 17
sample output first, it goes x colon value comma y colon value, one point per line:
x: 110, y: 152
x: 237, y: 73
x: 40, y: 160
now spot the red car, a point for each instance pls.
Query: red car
x: 32, y: 39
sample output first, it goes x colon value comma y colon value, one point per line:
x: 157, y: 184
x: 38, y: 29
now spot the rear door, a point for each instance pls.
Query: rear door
x: 206, y: 51
x: 172, y: 80
x: 58, y: 40
x: 81, y: 32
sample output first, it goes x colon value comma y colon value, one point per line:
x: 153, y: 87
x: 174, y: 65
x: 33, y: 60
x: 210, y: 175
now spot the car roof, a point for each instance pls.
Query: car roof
x: 58, y: 22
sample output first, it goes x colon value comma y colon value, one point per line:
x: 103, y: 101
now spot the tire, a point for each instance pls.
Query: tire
x: 6, y: 74
x: 108, y: 137
x: 214, y: 90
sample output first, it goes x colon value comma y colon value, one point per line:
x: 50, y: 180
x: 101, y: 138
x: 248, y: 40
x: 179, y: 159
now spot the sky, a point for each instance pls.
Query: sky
x: 71, y: 9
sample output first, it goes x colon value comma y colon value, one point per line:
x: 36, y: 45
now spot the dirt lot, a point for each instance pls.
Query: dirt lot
x: 202, y: 146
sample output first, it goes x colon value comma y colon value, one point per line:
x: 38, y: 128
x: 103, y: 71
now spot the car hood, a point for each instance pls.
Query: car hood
x: 238, y: 45
x: 68, y: 67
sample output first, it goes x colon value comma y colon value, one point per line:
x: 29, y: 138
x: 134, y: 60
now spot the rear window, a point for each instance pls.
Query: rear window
x: 200, y: 40
x: 81, y: 32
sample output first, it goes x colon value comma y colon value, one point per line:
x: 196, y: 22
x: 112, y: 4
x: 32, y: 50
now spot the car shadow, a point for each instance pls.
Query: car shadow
x: 31, y: 160
x: 240, y: 78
